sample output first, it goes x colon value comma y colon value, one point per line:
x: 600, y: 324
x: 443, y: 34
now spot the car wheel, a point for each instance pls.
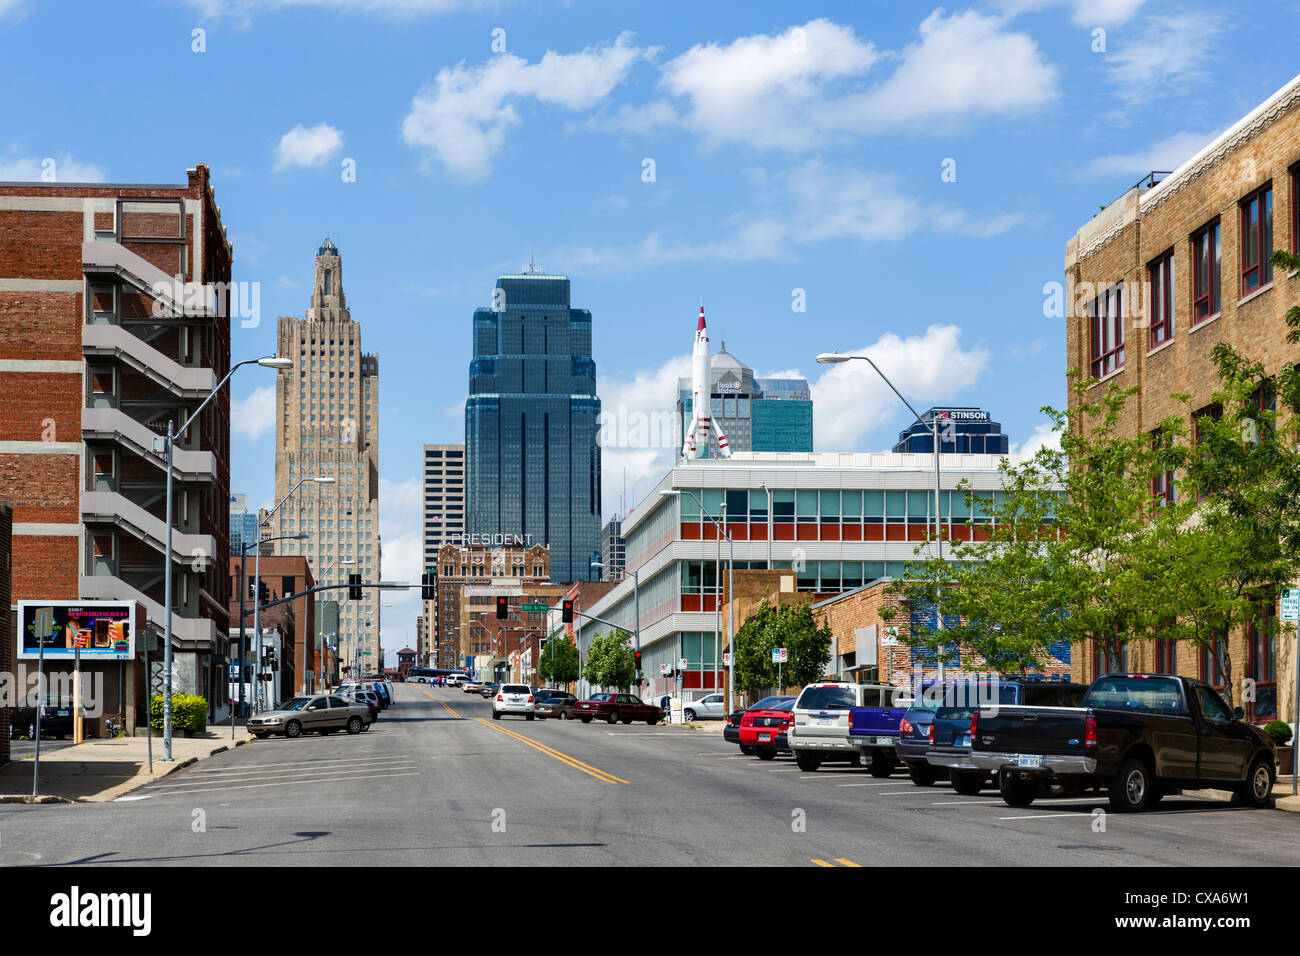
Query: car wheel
x: 354, y: 725
x: 882, y: 764
x: 1130, y: 790
x: 611, y: 717
x: 969, y: 784
x: 652, y: 721
x: 1015, y: 793
x: 626, y: 720
x: 1257, y: 791
x: 496, y: 714
x: 689, y: 715
x: 807, y: 761
x: 748, y: 750
x: 767, y: 753
x: 922, y: 776
x: 293, y: 729
x: 530, y: 716
x: 585, y: 720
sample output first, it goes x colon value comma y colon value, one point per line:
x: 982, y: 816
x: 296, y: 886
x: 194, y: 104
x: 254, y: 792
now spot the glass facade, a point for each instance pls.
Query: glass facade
x: 531, y: 418
x: 962, y: 431
x: 756, y: 414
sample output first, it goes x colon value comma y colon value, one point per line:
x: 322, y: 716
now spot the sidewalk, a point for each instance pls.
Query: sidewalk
x: 100, y: 770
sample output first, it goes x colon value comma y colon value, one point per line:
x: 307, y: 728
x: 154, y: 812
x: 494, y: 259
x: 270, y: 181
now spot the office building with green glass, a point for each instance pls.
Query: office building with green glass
x: 756, y: 414
x: 531, y: 419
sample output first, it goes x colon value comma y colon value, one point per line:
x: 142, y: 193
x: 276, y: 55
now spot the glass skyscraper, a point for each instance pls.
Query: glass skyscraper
x: 756, y: 414
x: 531, y: 420
x: 962, y: 431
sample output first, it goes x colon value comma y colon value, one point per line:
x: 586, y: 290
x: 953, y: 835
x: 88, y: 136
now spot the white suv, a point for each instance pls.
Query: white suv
x: 821, y: 722
x: 513, y: 699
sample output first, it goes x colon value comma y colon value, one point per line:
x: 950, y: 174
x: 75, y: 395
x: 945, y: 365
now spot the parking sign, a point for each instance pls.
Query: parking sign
x: 778, y: 655
x: 1291, y: 604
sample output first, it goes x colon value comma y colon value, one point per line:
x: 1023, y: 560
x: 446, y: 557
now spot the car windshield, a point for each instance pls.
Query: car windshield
x: 296, y: 703
x: 826, y: 698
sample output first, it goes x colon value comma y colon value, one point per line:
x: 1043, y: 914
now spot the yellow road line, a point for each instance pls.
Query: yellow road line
x: 840, y: 859
x: 824, y: 863
x: 552, y: 752
x: 444, y: 703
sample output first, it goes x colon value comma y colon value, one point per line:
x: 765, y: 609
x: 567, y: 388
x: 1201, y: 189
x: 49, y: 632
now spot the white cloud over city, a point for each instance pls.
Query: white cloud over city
x: 307, y: 147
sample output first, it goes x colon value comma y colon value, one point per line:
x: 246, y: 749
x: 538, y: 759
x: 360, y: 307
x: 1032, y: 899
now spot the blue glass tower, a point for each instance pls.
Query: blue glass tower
x: 531, y: 455
x: 756, y: 414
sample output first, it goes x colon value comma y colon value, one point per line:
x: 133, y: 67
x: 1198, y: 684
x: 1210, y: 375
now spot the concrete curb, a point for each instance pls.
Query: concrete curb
x: 43, y: 798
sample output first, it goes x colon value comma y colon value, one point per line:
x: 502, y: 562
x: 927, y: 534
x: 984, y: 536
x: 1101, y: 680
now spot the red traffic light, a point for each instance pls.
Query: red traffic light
x: 503, y: 608
x: 566, y: 612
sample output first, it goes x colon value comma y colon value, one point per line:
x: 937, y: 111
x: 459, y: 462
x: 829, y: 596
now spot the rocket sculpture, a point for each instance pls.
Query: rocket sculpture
x: 697, y: 436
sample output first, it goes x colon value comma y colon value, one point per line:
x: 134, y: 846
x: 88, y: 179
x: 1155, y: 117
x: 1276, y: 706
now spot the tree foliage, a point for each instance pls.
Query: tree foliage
x: 558, y: 663
x: 610, y: 661
x: 792, y: 626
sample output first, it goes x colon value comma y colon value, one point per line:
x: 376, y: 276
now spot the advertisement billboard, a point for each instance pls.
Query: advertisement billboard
x: 104, y: 629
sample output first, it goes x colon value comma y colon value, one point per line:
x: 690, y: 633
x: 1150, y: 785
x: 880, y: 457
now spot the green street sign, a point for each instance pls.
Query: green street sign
x: 536, y: 607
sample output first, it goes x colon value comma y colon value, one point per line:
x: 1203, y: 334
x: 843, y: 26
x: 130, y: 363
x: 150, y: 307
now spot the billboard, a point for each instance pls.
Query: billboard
x: 106, y: 630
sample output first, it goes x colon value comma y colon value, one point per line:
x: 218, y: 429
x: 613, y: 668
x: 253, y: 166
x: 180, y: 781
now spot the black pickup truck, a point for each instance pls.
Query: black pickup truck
x: 1139, y: 735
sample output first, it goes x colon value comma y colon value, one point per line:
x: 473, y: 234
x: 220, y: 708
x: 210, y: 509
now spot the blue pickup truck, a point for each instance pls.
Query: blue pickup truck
x: 874, y: 727
x: 950, y: 731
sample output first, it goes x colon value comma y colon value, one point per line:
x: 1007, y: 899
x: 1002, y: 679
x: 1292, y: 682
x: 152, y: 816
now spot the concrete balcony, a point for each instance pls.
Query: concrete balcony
x: 107, y: 507
x: 115, y: 342
x: 174, y: 297
x: 112, y: 424
x: 197, y: 633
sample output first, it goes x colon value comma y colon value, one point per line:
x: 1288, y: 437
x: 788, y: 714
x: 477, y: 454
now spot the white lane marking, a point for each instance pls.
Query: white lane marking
x: 128, y: 799
x: 300, y: 768
x: 897, y: 793
x: 284, y: 783
x: 271, y: 774
x: 863, y: 784
x: 964, y: 803
x: 783, y: 770
x: 308, y: 763
x: 1045, y: 816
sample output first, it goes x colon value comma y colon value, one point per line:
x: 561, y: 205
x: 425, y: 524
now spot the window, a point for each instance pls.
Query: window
x: 1257, y: 240
x: 1166, y: 657
x: 1261, y: 664
x: 1295, y: 208
x: 1161, y: 305
x: 1107, y: 333
x: 1205, y: 273
x: 1162, y: 485
x: 1211, y: 663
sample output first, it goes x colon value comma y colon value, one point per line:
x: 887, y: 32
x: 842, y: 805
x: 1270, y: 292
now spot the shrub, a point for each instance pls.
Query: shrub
x: 1279, y: 731
x: 189, y: 712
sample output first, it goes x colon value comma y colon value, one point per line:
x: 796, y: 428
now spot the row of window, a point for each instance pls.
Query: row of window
x: 1255, y: 237
x: 840, y: 507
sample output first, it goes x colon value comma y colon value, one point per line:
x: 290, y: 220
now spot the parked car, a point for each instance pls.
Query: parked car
x: 488, y: 690
x: 874, y: 727
x: 513, y: 699
x: 472, y: 686
x: 384, y: 687
x: 731, y: 729
x: 616, y: 707
x: 763, y: 729
x: 56, y: 718
x: 1142, y: 736
x: 913, y: 742
x: 950, y: 737
x: 709, y: 707
x: 368, y: 697
x: 455, y: 680
x: 556, y: 703
x: 821, y: 722
x: 323, y: 714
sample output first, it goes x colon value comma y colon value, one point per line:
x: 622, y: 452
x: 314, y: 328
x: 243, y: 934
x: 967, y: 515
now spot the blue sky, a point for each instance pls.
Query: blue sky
x: 790, y: 152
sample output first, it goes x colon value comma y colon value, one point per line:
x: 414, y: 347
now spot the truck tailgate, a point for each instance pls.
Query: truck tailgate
x: 1031, y: 730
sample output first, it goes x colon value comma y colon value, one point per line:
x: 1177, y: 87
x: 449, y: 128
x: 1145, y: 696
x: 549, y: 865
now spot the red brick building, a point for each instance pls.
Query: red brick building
x: 7, y: 629
x: 1156, y: 280
x: 114, y: 319
x: 296, y: 620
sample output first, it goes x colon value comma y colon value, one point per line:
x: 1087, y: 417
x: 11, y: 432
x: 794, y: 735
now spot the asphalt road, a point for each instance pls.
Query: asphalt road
x: 436, y: 781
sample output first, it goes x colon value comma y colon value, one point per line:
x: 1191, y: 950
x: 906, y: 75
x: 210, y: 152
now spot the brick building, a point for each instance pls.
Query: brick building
x: 500, y: 648
x: 1157, y: 278
x: 114, y: 319
x: 7, y: 628
x: 296, y: 620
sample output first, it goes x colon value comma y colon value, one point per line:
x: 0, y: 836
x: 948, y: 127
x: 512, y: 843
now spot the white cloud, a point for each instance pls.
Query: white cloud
x: 302, y: 146
x: 850, y: 400
x: 638, y: 434
x: 788, y: 91
x: 16, y: 8
x: 254, y: 415
x: 463, y: 117
x: 1044, y: 436
x: 810, y: 203
x: 244, y: 10
x: 284, y: 282
x: 1170, y: 52
x: 1167, y: 154
x: 32, y: 169
x: 1083, y: 13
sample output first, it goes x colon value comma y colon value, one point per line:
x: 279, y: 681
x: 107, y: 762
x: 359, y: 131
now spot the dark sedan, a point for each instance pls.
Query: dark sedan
x: 56, y: 719
x: 554, y: 703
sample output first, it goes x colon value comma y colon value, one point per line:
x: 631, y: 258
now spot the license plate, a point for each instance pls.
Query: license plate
x: 961, y: 740
x: 822, y: 721
x: 1030, y: 761
x: 63, y: 713
x: 516, y: 700
x: 884, y: 741
x: 764, y: 738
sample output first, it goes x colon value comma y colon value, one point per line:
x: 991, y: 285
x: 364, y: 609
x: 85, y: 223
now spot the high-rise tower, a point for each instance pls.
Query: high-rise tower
x: 531, y: 419
x: 327, y: 423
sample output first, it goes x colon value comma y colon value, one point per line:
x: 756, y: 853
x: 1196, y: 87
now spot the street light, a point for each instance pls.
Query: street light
x: 257, y: 572
x: 836, y: 358
x: 168, y: 444
x: 731, y: 566
x: 636, y: 604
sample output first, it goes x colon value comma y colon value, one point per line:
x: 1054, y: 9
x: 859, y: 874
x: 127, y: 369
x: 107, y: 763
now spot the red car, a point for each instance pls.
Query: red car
x: 764, y: 730
x: 614, y: 707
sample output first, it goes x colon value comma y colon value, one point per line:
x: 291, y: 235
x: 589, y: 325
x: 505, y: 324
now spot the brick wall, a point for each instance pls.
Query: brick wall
x: 6, y: 620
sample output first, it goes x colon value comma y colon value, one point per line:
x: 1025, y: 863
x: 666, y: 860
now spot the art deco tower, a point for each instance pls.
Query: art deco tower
x: 327, y: 423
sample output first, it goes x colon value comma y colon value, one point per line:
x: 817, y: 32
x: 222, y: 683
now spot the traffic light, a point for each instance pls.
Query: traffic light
x: 354, y: 587
x: 636, y: 656
x: 263, y: 593
x: 566, y: 612
x: 503, y: 608
x: 429, y: 586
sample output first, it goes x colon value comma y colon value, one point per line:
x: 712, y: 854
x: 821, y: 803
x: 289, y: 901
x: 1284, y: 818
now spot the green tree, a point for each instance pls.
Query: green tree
x: 1077, y: 547
x: 610, y: 661
x: 792, y: 626
x: 559, y: 661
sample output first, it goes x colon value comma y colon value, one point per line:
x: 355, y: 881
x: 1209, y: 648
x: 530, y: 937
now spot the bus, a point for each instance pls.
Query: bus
x: 430, y: 675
